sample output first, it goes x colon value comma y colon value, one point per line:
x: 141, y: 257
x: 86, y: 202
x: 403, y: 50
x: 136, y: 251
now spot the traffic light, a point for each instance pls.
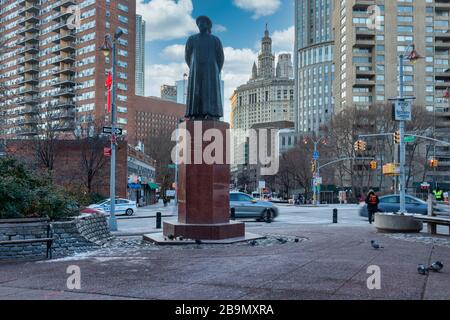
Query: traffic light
x: 434, y: 163
x: 397, y: 137
x: 360, y: 145
x: 373, y: 165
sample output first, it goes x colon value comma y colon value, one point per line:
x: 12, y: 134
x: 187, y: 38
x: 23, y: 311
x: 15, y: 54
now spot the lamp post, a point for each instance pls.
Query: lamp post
x: 109, y: 47
x: 412, y: 57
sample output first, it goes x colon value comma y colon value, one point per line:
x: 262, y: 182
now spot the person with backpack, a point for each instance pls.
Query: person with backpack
x: 372, y: 202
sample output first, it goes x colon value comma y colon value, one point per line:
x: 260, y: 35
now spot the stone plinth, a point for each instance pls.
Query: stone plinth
x: 203, y: 187
x: 390, y: 222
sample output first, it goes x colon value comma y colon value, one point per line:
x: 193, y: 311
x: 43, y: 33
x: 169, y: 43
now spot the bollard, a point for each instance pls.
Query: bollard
x: 158, y: 220
x: 335, y: 215
x: 232, y: 216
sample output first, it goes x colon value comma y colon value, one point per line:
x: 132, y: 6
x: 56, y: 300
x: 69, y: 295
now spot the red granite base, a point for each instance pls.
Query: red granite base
x: 218, y: 231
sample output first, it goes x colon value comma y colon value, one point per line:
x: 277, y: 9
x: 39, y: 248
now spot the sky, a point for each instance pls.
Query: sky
x: 240, y: 25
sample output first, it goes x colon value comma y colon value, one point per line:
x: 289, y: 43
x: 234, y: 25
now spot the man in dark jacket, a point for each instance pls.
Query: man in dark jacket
x: 372, y: 202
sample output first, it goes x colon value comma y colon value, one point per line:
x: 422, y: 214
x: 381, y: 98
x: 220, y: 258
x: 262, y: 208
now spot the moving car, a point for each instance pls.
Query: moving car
x: 122, y: 206
x: 244, y: 206
x: 391, y: 203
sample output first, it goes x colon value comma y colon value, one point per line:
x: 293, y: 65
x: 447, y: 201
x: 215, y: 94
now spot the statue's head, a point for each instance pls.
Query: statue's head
x: 204, y: 24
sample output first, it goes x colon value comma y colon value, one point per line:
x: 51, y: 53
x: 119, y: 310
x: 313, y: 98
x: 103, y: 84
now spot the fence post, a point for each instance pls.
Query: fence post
x: 335, y: 215
x: 158, y: 220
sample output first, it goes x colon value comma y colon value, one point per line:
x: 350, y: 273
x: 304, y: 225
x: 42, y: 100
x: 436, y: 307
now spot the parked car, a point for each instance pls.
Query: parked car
x: 122, y: 206
x: 244, y: 206
x: 391, y: 203
x: 92, y: 211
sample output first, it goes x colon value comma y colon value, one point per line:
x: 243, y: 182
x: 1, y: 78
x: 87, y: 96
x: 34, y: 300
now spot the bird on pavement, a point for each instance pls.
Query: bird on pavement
x: 436, y: 266
x: 198, y: 241
x: 253, y: 243
x: 282, y: 240
x: 422, y: 270
x: 180, y: 238
x: 375, y: 244
x: 171, y: 237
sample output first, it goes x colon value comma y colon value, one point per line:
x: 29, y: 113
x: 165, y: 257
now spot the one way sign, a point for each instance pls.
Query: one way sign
x: 108, y: 130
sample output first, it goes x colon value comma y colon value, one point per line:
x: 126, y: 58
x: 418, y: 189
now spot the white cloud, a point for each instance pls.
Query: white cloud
x: 217, y: 28
x: 167, y: 19
x: 259, y: 8
x: 173, y: 52
x: 237, y: 71
x: 283, y: 41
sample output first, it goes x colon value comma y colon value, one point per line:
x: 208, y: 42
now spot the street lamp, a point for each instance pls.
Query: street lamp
x: 109, y: 48
x: 413, y: 57
x: 315, y: 164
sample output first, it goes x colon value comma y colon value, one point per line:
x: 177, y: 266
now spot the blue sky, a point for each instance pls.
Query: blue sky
x: 238, y: 23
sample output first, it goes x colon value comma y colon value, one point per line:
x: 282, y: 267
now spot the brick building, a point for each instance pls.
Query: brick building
x: 150, y: 116
x: 51, y: 66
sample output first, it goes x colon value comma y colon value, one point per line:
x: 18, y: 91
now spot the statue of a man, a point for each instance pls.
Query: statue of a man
x: 205, y: 58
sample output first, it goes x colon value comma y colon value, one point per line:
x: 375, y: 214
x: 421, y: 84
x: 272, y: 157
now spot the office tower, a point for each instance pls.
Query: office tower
x: 140, y: 56
x: 313, y: 63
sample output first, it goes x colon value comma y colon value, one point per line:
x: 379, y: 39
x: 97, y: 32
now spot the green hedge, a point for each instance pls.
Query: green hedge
x: 24, y: 193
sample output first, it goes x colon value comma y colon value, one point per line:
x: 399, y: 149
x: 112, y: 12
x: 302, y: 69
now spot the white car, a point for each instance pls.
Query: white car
x: 123, y: 206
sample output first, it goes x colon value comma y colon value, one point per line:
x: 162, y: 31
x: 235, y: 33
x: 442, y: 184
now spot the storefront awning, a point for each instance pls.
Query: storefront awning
x: 153, y: 186
x: 134, y: 186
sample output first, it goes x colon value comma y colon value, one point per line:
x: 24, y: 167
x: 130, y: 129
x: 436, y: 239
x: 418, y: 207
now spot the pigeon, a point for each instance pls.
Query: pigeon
x: 171, y: 237
x: 283, y: 241
x: 180, y: 238
x: 297, y: 240
x: 422, y: 270
x: 436, y: 266
x: 198, y: 241
x: 253, y: 243
x: 375, y: 244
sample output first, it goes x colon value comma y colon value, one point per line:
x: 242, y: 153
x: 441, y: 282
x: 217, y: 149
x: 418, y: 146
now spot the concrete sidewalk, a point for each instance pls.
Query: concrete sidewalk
x: 329, y: 263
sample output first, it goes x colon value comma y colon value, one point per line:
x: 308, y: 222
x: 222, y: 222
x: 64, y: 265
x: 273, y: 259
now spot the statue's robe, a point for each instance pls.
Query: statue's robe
x: 205, y: 58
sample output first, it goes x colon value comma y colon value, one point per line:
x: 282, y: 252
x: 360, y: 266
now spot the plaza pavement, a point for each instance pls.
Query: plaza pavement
x: 329, y: 262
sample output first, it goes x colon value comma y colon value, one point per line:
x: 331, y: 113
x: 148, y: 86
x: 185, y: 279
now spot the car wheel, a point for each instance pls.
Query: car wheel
x: 267, y: 216
x: 129, y: 212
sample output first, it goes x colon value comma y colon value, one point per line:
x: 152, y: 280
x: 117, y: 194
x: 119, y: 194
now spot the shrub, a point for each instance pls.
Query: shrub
x: 27, y: 194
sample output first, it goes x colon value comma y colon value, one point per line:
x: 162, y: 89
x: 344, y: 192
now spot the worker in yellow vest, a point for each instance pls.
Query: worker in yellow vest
x: 438, y: 194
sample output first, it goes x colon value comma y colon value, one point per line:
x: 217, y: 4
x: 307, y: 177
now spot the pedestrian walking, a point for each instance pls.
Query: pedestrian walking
x: 372, y: 202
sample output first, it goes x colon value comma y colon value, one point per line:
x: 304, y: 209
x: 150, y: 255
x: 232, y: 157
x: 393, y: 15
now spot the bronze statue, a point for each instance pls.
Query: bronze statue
x: 205, y: 58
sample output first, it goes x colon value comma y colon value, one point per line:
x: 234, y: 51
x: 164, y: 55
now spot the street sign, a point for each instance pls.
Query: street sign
x: 425, y: 185
x: 403, y: 110
x: 409, y: 139
x: 317, y: 181
x: 108, y: 130
x: 316, y: 155
x: 107, y: 152
x: 172, y: 166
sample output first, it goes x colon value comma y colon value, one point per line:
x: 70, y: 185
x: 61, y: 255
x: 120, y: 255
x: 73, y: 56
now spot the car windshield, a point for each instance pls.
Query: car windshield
x: 102, y: 202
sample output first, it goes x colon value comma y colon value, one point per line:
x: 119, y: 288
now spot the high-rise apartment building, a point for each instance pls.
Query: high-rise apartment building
x: 313, y: 63
x: 140, y: 56
x: 52, y: 69
x: 369, y: 38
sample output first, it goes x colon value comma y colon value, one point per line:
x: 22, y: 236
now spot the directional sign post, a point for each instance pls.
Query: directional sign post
x: 108, y: 130
x: 316, y: 155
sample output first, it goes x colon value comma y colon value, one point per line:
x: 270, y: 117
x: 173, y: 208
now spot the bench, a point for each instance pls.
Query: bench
x: 432, y: 219
x: 44, y: 223
x: 432, y: 222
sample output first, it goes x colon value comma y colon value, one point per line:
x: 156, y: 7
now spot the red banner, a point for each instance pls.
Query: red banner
x: 108, y: 84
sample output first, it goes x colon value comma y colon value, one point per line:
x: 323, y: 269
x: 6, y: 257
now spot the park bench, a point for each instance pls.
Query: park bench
x: 41, y: 223
x: 432, y: 219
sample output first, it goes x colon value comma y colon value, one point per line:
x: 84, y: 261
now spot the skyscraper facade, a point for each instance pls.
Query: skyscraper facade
x: 140, y: 56
x: 313, y: 63
x: 51, y: 69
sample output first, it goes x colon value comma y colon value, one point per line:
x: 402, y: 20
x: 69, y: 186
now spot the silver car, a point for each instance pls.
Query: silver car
x: 123, y: 206
x: 244, y: 206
